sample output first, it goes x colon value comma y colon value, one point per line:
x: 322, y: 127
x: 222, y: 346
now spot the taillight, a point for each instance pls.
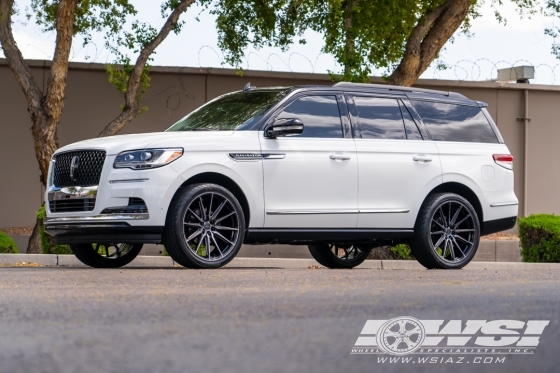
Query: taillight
x: 504, y: 160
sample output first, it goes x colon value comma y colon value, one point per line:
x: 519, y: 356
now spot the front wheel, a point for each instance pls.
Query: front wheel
x: 339, y: 256
x: 205, y: 227
x: 447, y: 232
x: 106, y: 255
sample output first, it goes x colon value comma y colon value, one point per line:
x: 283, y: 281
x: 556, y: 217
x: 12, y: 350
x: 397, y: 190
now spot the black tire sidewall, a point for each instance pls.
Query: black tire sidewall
x: 422, y: 246
x: 324, y: 256
x: 89, y: 256
x: 174, y: 239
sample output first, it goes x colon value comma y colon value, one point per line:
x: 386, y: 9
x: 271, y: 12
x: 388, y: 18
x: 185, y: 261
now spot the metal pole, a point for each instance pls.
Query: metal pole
x: 525, y: 151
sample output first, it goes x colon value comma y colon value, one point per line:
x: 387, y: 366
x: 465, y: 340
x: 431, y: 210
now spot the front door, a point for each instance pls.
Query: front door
x: 310, y: 180
x: 397, y: 166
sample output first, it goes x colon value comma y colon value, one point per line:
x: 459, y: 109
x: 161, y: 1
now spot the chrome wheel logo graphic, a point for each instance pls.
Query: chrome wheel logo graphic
x: 74, y: 166
x: 401, y: 336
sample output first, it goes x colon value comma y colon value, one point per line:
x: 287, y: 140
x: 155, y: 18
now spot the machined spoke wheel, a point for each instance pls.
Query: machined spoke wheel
x: 452, y: 231
x: 205, y: 226
x: 339, y: 256
x: 211, y: 226
x: 447, y: 232
x: 106, y: 255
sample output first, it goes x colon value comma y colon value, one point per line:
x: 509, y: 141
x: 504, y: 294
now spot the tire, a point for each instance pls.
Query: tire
x: 447, y: 232
x: 106, y: 255
x: 204, y: 216
x: 338, y: 256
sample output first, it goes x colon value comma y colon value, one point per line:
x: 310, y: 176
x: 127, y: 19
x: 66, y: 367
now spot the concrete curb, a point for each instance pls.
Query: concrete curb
x: 283, y: 263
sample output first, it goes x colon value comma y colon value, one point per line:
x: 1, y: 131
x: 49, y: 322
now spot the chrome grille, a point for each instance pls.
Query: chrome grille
x: 86, y: 171
x: 72, y: 204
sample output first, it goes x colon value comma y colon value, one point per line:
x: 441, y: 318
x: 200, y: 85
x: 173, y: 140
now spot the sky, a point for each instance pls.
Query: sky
x: 520, y: 42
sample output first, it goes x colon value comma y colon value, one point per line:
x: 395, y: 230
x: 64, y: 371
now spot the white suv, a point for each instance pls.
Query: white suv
x: 343, y: 169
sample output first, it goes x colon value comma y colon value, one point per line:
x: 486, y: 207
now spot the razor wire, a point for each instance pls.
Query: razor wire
x: 481, y: 69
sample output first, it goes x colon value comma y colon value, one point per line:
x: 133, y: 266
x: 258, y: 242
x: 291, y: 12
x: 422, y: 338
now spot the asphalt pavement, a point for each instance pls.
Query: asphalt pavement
x: 255, y: 319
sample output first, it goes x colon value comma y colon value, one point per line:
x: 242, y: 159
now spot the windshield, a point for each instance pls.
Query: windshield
x: 230, y: 112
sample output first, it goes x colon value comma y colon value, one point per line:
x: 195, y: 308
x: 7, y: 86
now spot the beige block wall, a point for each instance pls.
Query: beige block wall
x: 91, y: 102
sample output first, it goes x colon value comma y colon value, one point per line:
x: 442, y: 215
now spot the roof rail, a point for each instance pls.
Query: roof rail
x: 397, y: 88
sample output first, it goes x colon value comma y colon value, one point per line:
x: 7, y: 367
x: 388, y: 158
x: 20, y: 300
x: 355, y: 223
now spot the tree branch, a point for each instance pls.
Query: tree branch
x: 132, y: 106
x: 427, y: 38
x: 56, y: 86
x: 17, y: 64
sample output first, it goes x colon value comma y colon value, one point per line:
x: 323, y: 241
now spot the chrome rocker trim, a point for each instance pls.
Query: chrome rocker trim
x: 505, y: 204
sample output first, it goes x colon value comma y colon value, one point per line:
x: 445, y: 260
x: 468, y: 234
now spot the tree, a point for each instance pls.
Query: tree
x: 403, y: 37
x: 69, y: 19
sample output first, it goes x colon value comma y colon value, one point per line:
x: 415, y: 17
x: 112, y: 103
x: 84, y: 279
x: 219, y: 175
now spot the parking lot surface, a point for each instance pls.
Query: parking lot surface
x: 253, y: 319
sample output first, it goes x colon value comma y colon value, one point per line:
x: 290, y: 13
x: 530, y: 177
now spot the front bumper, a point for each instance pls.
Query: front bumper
x: 111, y: 218
x: 103, y: 232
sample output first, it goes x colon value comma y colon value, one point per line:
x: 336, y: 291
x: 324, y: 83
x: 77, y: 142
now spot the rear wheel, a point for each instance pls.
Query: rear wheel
x: 106, y: 255
x: 447, y: 232
x: 339, y: 256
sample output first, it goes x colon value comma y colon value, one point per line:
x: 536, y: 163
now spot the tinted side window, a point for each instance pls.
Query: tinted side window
x: 450, y: 122
x: 319, y: 114
x: 412, y: 132
x: 379, y: 118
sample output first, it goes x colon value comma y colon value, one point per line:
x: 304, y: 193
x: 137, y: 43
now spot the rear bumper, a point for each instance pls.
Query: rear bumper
x: 103, y: 232
x: 498, y: 225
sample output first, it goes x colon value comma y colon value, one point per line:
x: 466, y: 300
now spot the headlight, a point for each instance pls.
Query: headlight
x: 147, y: 158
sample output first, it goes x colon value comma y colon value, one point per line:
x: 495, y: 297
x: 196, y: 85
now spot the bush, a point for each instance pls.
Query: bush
x: 7, y: 245
x: 48, y: 246
x: 402, y: 252
x: 540, y: 238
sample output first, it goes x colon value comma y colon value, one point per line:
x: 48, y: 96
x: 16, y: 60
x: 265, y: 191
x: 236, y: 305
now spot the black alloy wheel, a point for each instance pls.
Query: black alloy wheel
x: 206, y: 227
x: 113, y: 255
x: 447, y: 232
x: 339, y: 256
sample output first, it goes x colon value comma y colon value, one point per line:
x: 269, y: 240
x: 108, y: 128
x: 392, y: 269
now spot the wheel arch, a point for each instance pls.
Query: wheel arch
x: 465, y: 192
x: 222, y: 180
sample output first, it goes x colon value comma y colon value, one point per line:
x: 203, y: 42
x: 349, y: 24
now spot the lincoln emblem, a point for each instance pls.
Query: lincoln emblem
x: 74, y: 166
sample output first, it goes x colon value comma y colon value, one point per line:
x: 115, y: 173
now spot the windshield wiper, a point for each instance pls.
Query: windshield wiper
x: 203, y: 129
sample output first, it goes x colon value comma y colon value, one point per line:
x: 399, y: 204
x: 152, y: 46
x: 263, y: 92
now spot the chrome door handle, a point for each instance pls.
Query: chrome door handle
x: 421, y: 159
x: 339, y: 157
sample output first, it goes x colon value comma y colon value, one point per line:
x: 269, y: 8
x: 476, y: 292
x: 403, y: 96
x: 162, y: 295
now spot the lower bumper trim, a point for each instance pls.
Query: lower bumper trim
x: 117, y: 232
x: 498, y: 225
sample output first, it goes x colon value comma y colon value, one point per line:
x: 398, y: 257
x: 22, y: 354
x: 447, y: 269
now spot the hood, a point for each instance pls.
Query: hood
x: 116, y: 144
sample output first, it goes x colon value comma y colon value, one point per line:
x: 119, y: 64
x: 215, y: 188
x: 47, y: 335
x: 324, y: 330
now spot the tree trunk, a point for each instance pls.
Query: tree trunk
x: 44, y: 109
x: 427, y: 38
x: 34, y: 245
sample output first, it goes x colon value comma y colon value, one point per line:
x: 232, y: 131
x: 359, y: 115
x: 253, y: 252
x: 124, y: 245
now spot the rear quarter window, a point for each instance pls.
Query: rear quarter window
x: 452, y: 122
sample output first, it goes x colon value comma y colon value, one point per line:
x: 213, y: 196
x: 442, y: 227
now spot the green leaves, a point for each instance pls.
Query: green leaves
x: 91, y: 16
x: 360, y: 34
x: 540, y: 238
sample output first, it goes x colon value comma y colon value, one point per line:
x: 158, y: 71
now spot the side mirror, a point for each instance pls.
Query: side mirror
x: 285, y: 127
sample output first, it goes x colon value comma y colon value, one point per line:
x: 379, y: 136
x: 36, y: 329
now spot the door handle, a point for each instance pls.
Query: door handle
x: 339, y: 157
x: 421, y: 159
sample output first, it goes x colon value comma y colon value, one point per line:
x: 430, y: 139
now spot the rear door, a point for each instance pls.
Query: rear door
x: 310, y: 180
x: 467, y: 142
x: 397, y: 164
